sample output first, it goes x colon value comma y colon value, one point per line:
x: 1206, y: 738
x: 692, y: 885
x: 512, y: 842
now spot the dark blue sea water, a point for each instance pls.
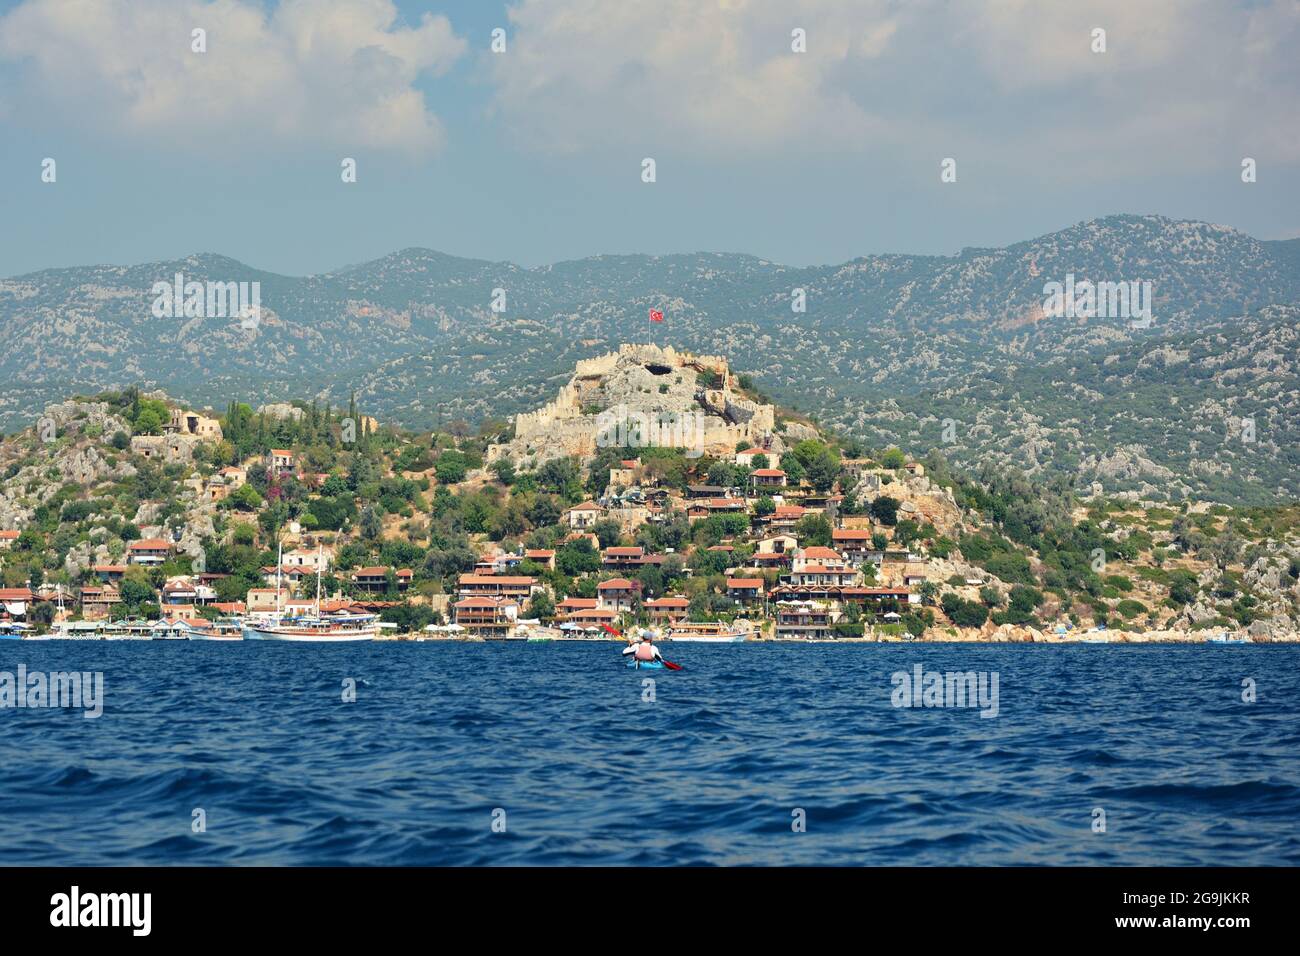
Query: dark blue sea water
x: 559, y: 737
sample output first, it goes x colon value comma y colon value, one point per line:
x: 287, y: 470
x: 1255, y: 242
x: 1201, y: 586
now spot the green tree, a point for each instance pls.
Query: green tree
x: 885, y: 510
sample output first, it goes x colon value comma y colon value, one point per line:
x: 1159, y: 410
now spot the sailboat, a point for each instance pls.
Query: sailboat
x: 313, y: 629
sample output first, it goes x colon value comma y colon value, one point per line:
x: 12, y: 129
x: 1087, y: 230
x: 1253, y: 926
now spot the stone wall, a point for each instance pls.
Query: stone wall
x: 646, y: 380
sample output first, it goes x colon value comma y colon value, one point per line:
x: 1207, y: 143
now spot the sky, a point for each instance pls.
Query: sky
x: 535, y: 154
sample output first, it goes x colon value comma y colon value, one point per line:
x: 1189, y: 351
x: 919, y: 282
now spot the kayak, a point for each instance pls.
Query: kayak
x: 646, y: 665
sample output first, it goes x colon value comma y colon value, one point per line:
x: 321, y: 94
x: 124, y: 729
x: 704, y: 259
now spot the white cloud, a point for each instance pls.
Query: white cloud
x: 714, y: 72
x: 337, y: 72
x: 1184, y: 82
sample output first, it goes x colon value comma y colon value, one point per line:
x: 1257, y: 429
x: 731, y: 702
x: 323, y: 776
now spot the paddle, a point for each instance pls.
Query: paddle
x: 668, y: 664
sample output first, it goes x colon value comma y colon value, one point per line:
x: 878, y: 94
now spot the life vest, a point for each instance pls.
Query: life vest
x: 645, y: 651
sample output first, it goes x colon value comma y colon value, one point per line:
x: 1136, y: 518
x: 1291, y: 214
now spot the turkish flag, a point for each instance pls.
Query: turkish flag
x: 656, y: 315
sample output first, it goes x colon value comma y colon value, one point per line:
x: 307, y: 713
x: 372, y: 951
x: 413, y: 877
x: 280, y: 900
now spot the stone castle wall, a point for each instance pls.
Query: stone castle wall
x: 627, y: 377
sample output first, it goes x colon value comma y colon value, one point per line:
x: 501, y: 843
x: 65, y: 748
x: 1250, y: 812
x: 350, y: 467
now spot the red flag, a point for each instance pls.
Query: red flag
x: 656, y: 315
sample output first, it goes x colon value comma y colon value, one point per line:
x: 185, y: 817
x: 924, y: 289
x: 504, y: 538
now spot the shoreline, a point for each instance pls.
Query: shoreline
x: 1127, y: 638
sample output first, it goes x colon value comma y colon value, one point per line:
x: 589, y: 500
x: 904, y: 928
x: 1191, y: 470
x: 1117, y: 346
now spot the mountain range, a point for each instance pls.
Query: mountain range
x: 892, y: 348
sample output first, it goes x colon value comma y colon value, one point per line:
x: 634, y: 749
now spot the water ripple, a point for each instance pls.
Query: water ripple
x: 763, y: 754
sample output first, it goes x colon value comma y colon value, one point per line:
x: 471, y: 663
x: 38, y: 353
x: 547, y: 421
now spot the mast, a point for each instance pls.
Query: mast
x: 279, y: 562
x: 318, y: 571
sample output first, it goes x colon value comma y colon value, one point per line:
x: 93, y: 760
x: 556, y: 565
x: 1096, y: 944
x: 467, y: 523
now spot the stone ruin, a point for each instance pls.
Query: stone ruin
x: 687, y: 399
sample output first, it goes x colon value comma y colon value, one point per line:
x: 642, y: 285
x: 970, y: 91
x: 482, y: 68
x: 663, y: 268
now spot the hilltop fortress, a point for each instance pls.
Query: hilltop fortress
x: 643, y: 395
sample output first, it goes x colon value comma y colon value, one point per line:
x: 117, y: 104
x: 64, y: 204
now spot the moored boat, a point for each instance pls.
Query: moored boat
x: 708, y: 632
x: 222, y: 629
x: 333, y: 629
x: 313, y: 628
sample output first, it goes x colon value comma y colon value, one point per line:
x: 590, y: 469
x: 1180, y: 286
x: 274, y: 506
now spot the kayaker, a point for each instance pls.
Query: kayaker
x: 643, y: 650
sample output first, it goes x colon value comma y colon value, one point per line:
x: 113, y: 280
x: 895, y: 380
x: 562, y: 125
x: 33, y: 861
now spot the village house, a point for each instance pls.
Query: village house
x: 762, y: 478
x: 785, y: 517
x: 309, y: 558
x: 771, y: 560
x: 819, y: 574
x: 376, y: 578
x: 619, y: 595
x: 805, y: 620
x: 817, y: 556
x: 854, y: 543
x: 97, y: 601
x: 913, y: 578
x: 543, y: 556
x: 262, y: 600
x: 180, y: 612
x: 182, y: 590
x: 109, y: 572
x: 623, y: 474
x: 667, y: 610
x: 705, y: 491
x: 148, y: 551
x: 192, y: 423
x: 15, y: 601
x: 629, y: 559
x: 879, y: 599
x: 286, y: 575
x: 518, y: 587
x: 584, y: 515
x: 7, y: 538
x: 592, y: 618
x: 279, y: 462
x: 745, y: 459
x: 745, y: 590
x: 705, y: 507
x: 564, y: 609
x: 486, y: 616
x: 777, y: 544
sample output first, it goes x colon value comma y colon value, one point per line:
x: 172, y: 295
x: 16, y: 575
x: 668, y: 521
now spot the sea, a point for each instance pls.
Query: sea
x: 556, y: 754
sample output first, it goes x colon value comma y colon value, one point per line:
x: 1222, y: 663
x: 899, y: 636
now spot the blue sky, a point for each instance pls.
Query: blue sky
x: 534, y: 155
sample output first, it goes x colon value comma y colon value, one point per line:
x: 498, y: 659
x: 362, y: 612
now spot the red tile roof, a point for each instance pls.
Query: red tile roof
x: 575, y: 602
x: 377, y: 571
x: 818, y: 551
x: 619, y: 584
x: 484, y: 602
x: 150, y: 544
